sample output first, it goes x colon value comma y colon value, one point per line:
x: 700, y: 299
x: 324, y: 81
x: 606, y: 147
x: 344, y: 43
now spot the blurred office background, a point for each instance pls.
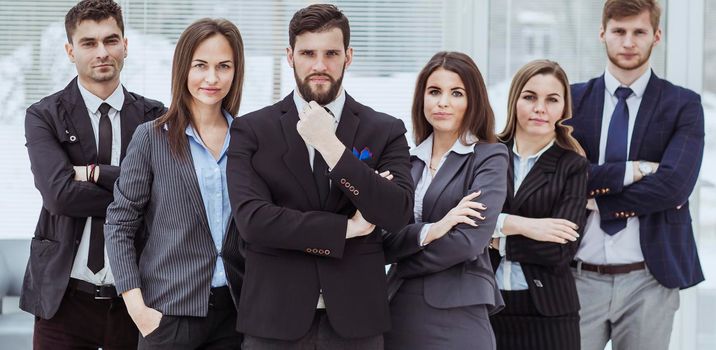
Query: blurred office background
x: 392, y: 40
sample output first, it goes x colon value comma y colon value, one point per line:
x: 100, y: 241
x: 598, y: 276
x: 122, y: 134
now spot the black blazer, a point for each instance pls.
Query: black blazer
x: 556, y: 187
x: 296, y: 247
x: 59, y: 136
x: 456, y: 268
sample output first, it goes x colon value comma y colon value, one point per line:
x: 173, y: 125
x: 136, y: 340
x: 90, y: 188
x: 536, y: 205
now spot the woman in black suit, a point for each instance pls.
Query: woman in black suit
x: 537, y: 232
x: 444, y: 286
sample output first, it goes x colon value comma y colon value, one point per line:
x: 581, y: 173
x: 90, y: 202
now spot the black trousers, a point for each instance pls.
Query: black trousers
x: 519, y: 326
x: 321, y: 336
x: 83, y: 322
x: 215, y: 331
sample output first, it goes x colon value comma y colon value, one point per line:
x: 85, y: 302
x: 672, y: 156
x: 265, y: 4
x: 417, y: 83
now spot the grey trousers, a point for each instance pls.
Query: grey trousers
x: 632, y: 309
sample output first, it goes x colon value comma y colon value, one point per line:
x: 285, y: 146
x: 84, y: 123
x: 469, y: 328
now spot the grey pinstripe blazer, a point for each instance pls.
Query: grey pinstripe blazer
x: 161, y: 193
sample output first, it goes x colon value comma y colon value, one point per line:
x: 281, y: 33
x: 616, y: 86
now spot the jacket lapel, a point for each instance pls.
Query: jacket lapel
x: 296, y: 156
x: 452, y: 165
x: 346, y: 132
x: 131, y: 115
x: 79, y: 117
x: 595, y: 102
x: 539, y: 175
x: 646, y: 110
x: 191, y: 184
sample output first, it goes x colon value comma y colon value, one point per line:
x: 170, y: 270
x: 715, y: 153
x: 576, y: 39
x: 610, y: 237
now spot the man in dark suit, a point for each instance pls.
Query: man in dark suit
x: 298, y: 171
x: 644, y: 137
x: 75, y: 140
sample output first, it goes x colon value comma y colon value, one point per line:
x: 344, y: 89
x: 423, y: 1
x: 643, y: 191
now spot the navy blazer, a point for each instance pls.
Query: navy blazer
x: 669, y: 129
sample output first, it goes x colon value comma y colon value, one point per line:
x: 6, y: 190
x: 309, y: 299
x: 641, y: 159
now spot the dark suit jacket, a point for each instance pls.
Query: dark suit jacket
x: 179, y: 257
x: 295, y: 247
x: 669, y: 129
x: 455, y: 268
x: 556, y: 187
x: 59, y: 136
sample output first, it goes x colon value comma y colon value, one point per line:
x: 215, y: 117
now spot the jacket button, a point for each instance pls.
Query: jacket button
x: 347, y: 184
x: 343, y: 181
x: 308, y: 250
x: 314, y: 251
x: 321, y: 251
x: 356, y: 192
x: 591, y: 193
x: 328, y: 252
x: 351, y: 188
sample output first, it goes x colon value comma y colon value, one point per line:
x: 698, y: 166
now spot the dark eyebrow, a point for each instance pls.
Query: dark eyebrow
x: 113, y: 36
x: 458, y: 88
x: 529, y: 92
x: 432, y: 87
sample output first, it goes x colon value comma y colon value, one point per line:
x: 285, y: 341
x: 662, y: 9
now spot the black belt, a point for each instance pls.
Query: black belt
x: 220, y: 297
x: 609, y: 269
x: 99, y: 292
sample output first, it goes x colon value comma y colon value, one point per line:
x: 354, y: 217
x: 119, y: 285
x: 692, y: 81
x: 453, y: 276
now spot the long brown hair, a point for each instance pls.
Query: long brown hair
x: 563, y: 133
x: 479, y: 119
x: 179, y: 115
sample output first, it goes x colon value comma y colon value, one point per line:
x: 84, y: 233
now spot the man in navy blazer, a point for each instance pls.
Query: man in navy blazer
x: 644, y: 138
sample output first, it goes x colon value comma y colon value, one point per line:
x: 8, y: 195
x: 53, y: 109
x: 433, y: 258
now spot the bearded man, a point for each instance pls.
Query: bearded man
x: 308, y: 177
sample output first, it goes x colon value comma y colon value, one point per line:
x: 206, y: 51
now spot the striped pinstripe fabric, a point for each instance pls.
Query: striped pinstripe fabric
x: 161, y: 194
x: 554, y: 188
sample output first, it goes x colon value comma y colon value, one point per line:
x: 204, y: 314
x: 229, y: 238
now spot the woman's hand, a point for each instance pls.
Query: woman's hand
x: 462, y: 213
x: 544, y: 230
x: 146, y: 318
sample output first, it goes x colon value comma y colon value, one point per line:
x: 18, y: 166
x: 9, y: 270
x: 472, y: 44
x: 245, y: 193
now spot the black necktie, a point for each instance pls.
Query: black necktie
x: 616, y: 150
x: 320, y: 174
x: 95, y: 260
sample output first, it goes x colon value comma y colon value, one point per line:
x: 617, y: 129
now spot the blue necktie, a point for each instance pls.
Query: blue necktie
x: 616, y: 150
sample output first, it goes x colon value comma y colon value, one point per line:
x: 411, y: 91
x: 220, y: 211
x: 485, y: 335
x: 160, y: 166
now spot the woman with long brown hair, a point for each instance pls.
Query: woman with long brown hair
x: 444, y: 288
x: 172, y: 199
x: 538, y: 230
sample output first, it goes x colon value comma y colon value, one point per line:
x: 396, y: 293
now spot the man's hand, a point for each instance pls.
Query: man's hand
x: 146, y: 318
x: 358, y: 226
x: 316, y: 125
x: 638, y: 175
x: 81, y: 173
x: 544, y: 230
x: 462, y: 213
x: 316, y: 129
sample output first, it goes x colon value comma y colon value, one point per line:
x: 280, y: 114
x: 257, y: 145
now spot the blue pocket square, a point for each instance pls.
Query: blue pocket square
x: 365, y: 154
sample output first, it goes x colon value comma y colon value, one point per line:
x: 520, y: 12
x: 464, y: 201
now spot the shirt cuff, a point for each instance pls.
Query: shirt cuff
x: 423, y: 234
x: 498, y: 228
x: 502, y: 246
x: 629, y: 173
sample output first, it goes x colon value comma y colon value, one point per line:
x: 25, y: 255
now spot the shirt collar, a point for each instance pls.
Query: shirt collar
x: 425, y: 149
x: 335, y: 106
x: 192, y: 133
x: 638, y: 86
x: 536, y: 155
x: 115, y: 100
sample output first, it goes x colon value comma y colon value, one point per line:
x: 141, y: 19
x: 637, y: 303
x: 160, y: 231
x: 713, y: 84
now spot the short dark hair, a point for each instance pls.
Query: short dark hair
x: 318, y: 18
x: 95, y: 10
x: 479, y: 119
x: 618, y: 9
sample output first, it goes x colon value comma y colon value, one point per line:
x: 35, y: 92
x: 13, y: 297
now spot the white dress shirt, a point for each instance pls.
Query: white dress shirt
x: 116, y: 101
x: 624, y: 247
x: 424, y: 152
x: 336, y: 107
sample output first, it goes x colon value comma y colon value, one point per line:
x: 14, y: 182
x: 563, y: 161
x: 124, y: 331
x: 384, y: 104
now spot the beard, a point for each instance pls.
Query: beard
x: 322, y: 98
x: 630, y: 66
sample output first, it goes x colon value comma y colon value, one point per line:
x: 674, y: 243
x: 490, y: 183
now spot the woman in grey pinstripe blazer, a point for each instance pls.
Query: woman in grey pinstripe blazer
x: 172, y: 196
